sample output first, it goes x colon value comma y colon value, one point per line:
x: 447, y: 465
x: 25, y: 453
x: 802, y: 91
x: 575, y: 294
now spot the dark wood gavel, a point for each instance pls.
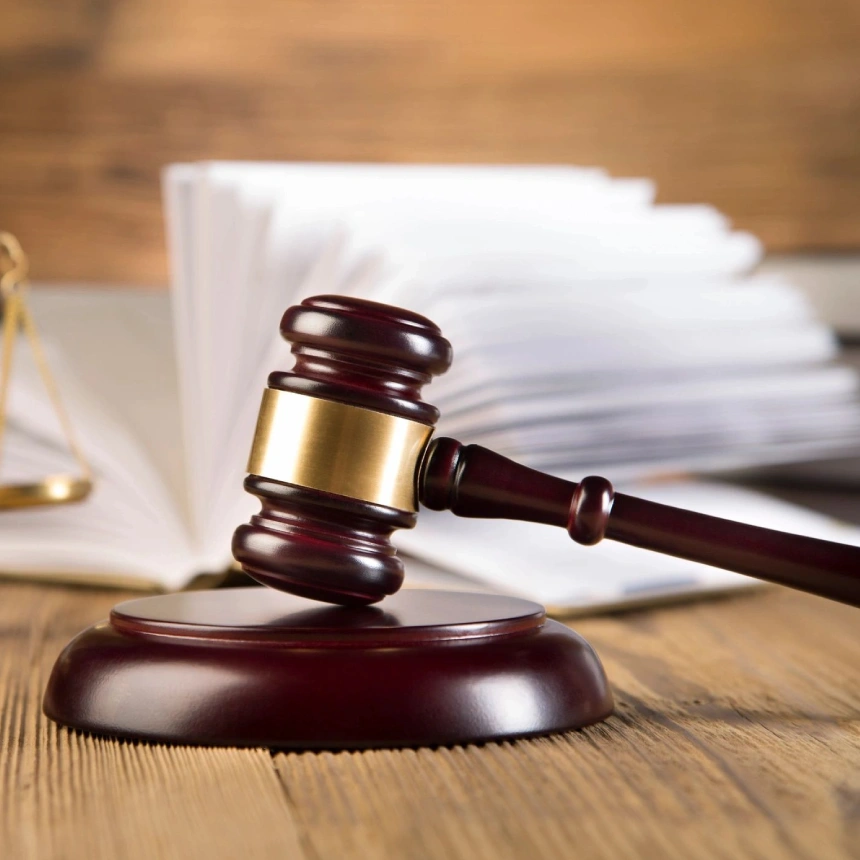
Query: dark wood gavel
x: 343, y: 454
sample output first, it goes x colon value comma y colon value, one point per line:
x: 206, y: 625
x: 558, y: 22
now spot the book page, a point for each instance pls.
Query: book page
x: 120, y: 392
x: 544, y: 564
x: 591, y: 327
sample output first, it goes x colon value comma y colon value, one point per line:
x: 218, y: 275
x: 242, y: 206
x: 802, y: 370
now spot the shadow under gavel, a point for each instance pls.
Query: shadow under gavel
x: 343, y: 455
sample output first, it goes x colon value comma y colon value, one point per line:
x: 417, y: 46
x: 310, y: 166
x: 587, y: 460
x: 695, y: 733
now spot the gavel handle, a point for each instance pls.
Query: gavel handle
x: 472, y: 481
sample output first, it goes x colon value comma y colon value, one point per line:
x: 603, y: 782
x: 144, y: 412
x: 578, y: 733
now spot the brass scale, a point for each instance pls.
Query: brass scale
x: 16, y: 317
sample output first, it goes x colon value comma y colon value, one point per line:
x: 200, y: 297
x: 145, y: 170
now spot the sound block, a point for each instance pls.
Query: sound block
x: 256, y: 667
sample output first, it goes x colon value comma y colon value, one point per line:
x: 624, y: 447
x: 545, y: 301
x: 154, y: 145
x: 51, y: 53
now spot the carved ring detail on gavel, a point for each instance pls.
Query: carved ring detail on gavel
x: 343, y: 455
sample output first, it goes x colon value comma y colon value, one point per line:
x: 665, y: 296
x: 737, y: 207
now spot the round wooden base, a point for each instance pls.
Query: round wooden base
x: 256, y: 667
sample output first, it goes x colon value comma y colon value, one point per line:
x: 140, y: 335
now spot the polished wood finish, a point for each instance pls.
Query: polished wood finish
x: 472, y: 481
x: 318, y: 544
x: 735, y: 734
x: 337, y: 549
x: 363, y: 353
x: 253, y: 667
x: 747, y: 104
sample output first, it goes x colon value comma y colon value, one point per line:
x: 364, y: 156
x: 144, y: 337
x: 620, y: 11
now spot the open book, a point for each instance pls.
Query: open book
x: 593, y: 332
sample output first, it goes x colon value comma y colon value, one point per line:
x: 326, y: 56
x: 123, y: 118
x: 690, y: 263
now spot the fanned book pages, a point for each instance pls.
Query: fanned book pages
x: 594, y: 332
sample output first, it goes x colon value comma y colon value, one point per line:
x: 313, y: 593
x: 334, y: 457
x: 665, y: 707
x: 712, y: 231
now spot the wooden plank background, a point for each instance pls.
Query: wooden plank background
x: 753, y: 105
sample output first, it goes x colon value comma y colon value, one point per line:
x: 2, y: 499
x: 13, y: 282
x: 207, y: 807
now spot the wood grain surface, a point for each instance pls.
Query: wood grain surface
x: 737, y: 734
x: 748, y: 104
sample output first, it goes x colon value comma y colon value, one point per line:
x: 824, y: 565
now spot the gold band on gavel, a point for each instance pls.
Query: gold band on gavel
x: 338, y: 448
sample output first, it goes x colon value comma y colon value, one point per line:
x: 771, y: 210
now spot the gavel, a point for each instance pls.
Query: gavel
x: 343, y: 454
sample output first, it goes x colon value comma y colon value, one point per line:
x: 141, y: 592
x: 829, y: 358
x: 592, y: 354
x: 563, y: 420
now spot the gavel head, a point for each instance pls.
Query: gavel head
x: 336, y: 450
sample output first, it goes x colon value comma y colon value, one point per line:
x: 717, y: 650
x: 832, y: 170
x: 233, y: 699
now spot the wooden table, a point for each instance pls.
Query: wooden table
x: 736, y: 734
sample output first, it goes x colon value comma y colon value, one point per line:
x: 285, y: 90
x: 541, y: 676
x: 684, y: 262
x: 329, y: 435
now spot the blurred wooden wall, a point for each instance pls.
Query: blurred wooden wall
x: 753, y: 105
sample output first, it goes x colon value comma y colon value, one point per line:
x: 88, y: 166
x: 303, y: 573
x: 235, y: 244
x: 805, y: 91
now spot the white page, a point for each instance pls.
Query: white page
x: 120, y: 392
x: 584, y: 244
x: 110, y: 533
x: 315, y: 196
x: 179, y: 188
x: 543, y: 563
x: 554, y: 284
